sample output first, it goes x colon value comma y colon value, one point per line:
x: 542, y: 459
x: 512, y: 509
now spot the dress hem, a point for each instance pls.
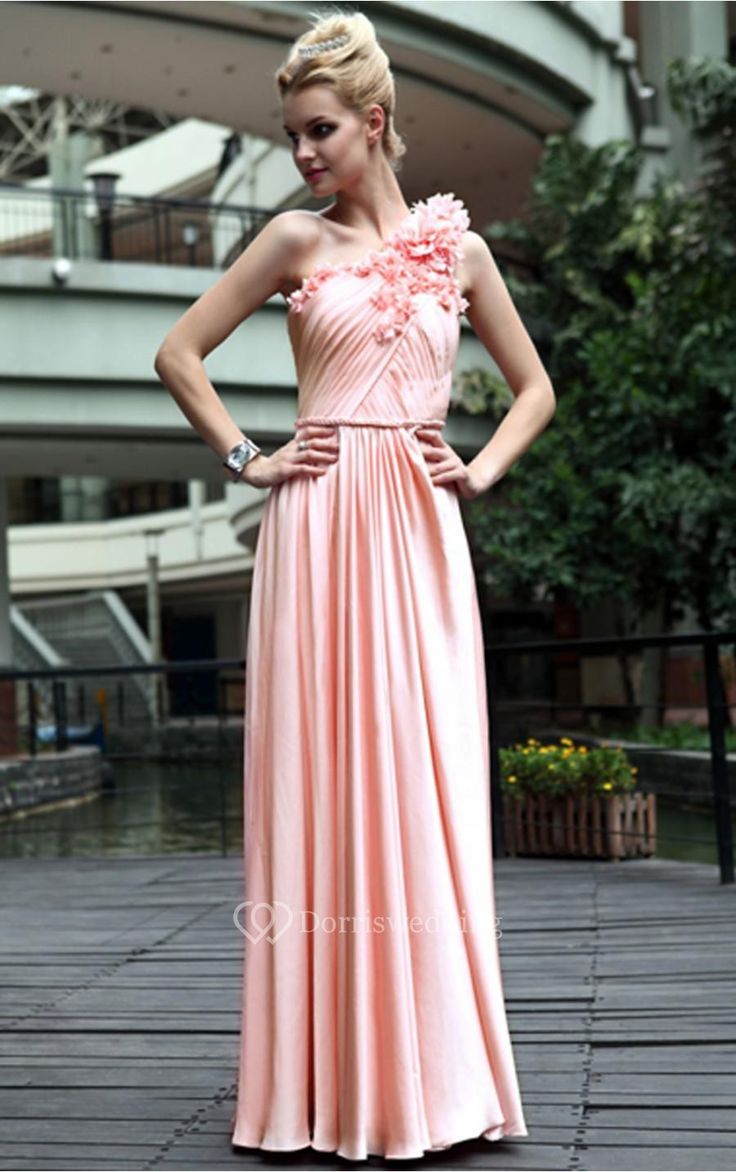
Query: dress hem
x: 492, y: 1134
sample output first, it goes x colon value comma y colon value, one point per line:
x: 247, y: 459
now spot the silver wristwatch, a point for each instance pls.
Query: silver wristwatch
x: 238, y: 457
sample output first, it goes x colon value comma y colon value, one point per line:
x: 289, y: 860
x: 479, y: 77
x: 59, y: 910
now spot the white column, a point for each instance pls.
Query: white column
x: 197, y: 489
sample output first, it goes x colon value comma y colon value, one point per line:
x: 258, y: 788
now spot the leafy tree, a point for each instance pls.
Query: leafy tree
x: 630, y: 494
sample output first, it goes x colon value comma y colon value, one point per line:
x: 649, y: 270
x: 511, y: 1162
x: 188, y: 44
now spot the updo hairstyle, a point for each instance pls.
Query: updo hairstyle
x: 342, y: 51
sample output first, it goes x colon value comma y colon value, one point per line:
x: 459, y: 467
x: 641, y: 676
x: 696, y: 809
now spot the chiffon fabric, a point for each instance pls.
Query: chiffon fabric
x: 373, y: 1019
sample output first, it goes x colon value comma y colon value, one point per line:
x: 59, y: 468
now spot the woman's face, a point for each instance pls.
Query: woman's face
x: 328, y: 138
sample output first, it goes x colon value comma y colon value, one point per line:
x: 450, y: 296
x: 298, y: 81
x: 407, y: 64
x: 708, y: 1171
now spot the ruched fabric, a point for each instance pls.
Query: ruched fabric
x: 373, y: 1018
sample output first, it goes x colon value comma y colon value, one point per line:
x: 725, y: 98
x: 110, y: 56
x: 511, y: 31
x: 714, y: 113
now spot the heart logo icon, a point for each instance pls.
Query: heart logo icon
x: 252, y: 929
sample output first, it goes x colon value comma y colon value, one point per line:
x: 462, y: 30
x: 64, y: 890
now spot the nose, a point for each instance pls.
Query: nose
x: 303, y: 154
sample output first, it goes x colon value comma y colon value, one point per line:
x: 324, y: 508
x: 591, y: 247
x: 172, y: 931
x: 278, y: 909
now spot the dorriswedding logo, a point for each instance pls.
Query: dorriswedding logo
x: 279, y: 915
x: 248, y: 918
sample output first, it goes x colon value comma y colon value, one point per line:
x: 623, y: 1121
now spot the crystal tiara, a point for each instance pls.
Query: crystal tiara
x: 319, y: 46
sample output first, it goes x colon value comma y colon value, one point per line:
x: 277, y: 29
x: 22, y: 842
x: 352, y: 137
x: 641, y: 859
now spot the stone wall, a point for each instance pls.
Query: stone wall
x: 49, y: 777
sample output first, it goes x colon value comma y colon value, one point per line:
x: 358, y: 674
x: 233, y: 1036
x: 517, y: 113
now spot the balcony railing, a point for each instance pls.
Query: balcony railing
x: 72, y: 223
x: 68, y: 222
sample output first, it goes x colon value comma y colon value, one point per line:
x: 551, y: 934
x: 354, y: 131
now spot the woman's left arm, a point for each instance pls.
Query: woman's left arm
x: 496, y: 322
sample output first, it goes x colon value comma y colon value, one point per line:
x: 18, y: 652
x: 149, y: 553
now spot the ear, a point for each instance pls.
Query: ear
x: 376, y: 123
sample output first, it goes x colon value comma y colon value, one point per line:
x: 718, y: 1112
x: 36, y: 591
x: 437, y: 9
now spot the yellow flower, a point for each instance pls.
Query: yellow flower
x: 511, y: 779
x: 607, y: 785
x: 565, y: 741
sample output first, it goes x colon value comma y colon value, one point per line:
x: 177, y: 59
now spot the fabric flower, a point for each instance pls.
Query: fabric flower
x: 419, y: 257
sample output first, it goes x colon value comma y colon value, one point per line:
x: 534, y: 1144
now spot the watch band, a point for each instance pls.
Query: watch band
x: 238, y: 456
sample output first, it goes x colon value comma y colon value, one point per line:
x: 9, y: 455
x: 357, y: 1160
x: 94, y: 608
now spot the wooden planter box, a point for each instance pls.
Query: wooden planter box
x: 617, y: 826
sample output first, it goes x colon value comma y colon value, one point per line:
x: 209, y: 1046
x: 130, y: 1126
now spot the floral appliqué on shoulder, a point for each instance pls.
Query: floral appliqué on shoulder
x: 419, y: 257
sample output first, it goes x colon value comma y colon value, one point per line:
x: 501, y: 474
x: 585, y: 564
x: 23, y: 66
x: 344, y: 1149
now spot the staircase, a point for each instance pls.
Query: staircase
x: 95, y: 629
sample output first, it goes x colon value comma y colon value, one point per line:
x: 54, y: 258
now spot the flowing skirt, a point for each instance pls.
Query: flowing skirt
x: 373, y: 1018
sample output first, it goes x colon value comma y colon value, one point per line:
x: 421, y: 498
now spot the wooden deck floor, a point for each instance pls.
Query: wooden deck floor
x: 120, y: 1003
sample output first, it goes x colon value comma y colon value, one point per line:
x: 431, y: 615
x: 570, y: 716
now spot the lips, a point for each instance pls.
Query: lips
x: 316, y: 172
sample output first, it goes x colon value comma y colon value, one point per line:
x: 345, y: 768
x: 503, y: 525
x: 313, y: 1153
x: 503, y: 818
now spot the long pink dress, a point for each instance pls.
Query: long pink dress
x: 373, y: 1019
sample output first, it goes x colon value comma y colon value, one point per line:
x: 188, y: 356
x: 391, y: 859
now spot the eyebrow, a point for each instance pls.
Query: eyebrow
x: 318, y: 118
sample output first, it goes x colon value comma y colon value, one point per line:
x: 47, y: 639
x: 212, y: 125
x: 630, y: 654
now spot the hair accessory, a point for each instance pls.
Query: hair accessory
x: 319, y: 46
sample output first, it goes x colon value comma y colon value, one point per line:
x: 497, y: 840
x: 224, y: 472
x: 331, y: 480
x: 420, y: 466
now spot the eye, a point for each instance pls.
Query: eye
x: 317, y: 127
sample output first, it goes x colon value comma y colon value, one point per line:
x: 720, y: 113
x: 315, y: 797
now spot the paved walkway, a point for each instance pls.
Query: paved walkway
x: 119, y: 1016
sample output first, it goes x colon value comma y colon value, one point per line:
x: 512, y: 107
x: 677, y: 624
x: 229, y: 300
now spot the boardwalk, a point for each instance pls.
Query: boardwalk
x: 120, y: 998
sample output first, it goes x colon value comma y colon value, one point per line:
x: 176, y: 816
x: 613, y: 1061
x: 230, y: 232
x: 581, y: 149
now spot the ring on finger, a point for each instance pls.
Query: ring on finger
x: 302, y: 445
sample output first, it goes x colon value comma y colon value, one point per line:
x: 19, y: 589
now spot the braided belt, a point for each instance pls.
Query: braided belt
x: 346, y: 421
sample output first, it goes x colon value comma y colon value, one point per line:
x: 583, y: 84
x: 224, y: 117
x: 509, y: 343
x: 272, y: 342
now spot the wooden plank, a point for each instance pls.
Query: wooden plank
x: 707, y: 1119
x: 674, y: 1157
x: 94, y: 1102
x: 618, y: 978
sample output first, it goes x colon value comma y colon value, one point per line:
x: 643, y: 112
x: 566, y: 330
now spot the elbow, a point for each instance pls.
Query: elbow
x: 552, y: 397
x: 166, y: 357
x: 171, y: 355
x: 159, y: 362
x: 545, y: 399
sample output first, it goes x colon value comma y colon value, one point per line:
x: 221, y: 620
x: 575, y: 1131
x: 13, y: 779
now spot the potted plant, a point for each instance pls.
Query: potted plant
x: 567, y: 799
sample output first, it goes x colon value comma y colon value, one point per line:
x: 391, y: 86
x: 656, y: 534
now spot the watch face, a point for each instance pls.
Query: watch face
x: 240, y: 456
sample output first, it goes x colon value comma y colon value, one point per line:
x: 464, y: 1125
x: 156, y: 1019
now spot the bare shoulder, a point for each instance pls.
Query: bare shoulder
x: 295, y: 228
x: 478, y: 263
x: 475, y: 248
x: 297, y: 235
x: 474, y: 252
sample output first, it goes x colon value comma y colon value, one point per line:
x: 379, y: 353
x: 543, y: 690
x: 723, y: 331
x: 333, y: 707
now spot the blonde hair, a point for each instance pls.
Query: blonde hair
x: 358, y: 70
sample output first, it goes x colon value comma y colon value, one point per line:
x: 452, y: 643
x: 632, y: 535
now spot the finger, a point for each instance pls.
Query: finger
x: 310, y: 470
x: 318, y: 443
x: 318, y: 451
x: 327, y: 444
x: 318, y: 433
x: 314, y: 462
x: 430, y: 434
x: 438, y: 451
x: 324, y: 457
x: 444, y: 469
x: 447, y: 476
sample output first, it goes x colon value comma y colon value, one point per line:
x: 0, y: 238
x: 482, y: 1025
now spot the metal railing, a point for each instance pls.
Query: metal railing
x: 197, y: 233
x: 201, y: 691
x: 68, y: 222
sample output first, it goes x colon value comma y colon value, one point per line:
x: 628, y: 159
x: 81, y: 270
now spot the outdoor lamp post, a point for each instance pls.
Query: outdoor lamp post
x: 190, y: 236
x: 104, y: 186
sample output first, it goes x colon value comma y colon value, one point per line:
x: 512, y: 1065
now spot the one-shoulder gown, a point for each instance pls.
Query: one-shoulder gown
x: 373, y: 1017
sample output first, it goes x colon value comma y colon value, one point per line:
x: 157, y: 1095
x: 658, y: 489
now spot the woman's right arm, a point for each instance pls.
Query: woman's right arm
x: 257, y: 274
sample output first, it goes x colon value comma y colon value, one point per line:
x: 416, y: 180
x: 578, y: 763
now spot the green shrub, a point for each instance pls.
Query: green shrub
x: 565, y: 768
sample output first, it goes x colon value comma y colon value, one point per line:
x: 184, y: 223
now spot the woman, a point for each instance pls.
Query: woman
x: 373, y: 1020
